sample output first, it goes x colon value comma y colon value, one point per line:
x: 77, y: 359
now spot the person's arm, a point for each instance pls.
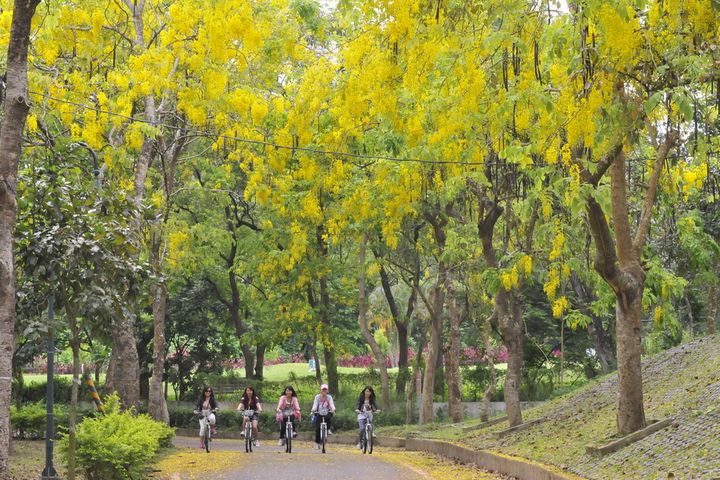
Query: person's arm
x: 315, y: 404
x: 257, y: 404
x: 332, y: 403
x: 279, y: 404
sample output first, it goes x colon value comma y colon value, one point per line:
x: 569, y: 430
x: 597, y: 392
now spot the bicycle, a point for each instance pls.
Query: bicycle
x: 366, y: 438
x: 205, y: 425
x: 287, y: 415
x: 322, y: 412
x: 248, y: 419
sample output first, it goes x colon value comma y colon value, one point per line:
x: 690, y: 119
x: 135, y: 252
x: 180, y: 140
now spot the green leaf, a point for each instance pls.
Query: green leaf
x: 653, y: 101
x: 684, y: 104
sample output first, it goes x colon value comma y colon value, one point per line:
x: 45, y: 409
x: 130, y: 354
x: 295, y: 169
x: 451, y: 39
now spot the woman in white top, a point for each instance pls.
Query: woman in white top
x: 323, y: 407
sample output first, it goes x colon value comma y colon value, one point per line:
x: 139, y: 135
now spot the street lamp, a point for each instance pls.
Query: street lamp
x: 49, y: 472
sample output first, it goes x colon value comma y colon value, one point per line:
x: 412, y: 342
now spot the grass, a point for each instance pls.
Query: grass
x: 282, y: 371
x: 682, y: 383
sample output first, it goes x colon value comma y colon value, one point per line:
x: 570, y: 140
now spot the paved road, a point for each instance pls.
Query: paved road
x: 269, y: 461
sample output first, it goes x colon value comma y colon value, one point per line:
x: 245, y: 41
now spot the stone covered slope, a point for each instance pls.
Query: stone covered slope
x: 682, y: 383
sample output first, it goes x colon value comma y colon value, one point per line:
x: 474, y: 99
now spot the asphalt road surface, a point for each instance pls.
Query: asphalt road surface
x: 269, y: 461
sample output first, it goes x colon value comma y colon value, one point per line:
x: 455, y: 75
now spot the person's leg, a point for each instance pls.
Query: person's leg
x: 202, y: 432
x: 255, y: 428
x: 329, y: 422
x: 318, y: 421
x: 282, y: 429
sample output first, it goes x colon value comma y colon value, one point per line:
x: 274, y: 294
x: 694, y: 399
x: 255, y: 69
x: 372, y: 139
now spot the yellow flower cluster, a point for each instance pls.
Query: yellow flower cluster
x: 560, y: 306
x: 510, y: 278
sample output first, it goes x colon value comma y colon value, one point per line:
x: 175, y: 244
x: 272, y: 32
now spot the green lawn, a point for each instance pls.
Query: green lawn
x: 282, y: 371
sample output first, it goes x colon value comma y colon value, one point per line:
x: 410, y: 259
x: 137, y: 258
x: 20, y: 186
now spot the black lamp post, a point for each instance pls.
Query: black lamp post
x: 49, y: 472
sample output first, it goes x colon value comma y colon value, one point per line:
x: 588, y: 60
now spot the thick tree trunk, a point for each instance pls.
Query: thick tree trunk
x: 510, y: 323
x: 15, y: 112
x: 259, y: 361
x: 249, y: 356
x: 507, y: 309
x: 365, y: 329
x: 617, y: 261
x: 157, y: 406
x: 631, y: 415
x: 452, y: 354
x: 123, y: 374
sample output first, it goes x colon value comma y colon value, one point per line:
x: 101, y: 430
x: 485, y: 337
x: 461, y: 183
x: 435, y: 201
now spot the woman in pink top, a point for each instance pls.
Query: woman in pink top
x: 288, y: 400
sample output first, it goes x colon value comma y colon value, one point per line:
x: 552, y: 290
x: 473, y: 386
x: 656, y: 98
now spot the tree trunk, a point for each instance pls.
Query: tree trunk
x: 259, y: 360
x: 507, y: 309
x: 72, y: 418
x: 123, y: 374
x: 249, y: 356
x: 617, y: 260
x: 365, y: 329
x: 157, y: 406
x: 434, y: 349
x: 328, y: 347
x: 318, y: 371
x: 712, y: 309
x: 15, y: 112
x: 401, y: 325
x: 490, y: 362
x: 631, y: 415
x: 452, y: 354
x: 510, y: 323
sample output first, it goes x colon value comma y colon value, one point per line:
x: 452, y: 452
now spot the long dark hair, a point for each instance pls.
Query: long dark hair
x: 202, y: 395
x: 245, y: 400
x: 361, y: 398
x: 289, y: 387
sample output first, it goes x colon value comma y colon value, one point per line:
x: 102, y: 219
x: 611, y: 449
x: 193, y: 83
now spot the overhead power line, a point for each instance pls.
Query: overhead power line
x: 357, y: 156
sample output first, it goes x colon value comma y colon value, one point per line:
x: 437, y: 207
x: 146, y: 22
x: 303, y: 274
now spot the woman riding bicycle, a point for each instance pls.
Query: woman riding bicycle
x: 288, y: 401
x: 250, y: 401
x: 205, y: 405
x: 323, y: 407
x: 365, y: 403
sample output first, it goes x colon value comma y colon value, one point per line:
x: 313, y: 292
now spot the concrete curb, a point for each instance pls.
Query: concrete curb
x: 516, y: 467
x: 611, y: 447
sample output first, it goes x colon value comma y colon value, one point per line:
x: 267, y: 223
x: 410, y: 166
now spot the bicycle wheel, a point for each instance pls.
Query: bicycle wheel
x: 207, y: 437
x: 364, y: 440
x: 248, y: 437
x: 369, y: 436
x: 323, y: 436
x: 288, y: 437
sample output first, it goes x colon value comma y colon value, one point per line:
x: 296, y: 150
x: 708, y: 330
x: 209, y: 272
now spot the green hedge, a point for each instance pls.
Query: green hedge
x: 117, y: 445
x: 35, y: 392
x: 30, y: 421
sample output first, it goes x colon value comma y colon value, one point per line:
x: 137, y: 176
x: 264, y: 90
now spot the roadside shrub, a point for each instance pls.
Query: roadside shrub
x: 117, y: 445
x: 29, y: 422
x: 35, y: 392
